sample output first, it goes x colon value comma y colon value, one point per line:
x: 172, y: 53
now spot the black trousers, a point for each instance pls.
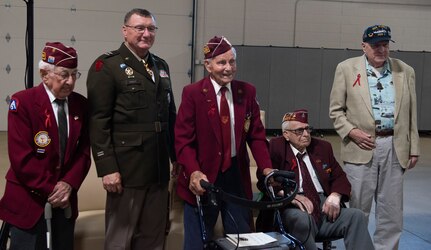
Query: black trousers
x: 62, y: 230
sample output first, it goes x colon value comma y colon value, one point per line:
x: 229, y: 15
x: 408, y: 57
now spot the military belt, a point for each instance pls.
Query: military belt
x: 141, y: 127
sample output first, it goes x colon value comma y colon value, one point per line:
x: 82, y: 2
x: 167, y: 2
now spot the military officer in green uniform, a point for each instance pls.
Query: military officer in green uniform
x: 131, y: 129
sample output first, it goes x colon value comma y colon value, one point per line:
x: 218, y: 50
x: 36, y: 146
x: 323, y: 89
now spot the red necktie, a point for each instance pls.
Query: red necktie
x: 309, y: 189
x: 225, y: 129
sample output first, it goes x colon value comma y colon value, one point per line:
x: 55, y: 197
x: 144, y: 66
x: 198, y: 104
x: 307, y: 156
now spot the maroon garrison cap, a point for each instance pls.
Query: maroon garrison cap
x: 300, y: 115
x: 216, y: 46
x: 58, y: 54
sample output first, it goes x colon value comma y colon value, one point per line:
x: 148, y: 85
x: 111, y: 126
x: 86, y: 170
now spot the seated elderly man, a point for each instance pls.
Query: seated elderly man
x: 315, y: 211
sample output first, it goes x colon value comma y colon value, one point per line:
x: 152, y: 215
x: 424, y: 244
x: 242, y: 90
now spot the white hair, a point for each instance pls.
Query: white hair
x: 285, y: 125
x: 46, y: 66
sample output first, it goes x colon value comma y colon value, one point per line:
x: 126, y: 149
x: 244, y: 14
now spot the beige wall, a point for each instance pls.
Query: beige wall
x: 96, y: 27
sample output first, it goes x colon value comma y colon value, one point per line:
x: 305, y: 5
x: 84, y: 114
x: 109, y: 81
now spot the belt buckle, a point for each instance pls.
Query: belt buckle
x: 384, y: 133
x: 158, y: 127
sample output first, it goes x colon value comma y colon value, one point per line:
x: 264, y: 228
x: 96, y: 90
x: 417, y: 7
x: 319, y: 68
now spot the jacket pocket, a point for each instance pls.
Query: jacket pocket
x: 133, y: 95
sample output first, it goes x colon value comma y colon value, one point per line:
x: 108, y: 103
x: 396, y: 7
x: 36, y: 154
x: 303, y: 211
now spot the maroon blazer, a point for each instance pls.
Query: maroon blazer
x: 33, y: 146
x: 198, y: 139
x: 331, y: 176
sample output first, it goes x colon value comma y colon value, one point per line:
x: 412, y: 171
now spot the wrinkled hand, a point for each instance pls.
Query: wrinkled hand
x: 195, y: 185
x: 271, y: 180
x: 59, y: 197
x: 413, y: 161
x: 267, y: 171
x: 303, y: 203
x: 176, y: 169
x: 112, y: 183
x: 331, y: 207
x: 362, y: 139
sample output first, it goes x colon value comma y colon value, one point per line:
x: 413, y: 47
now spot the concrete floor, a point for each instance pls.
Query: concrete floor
x: 417, y: 188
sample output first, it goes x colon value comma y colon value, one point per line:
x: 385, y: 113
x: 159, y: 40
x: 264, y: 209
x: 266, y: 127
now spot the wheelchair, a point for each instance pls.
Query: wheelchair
x: 284, y: 240
x: 326, y: 242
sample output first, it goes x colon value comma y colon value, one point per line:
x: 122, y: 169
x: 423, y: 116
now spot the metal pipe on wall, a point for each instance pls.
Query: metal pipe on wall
x: 29, y: 42
x: 193, y: 44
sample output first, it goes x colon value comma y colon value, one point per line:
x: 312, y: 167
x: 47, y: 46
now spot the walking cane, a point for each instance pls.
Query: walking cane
x: 68, y: 212
x: 48, y: 217
x: 4, y: 235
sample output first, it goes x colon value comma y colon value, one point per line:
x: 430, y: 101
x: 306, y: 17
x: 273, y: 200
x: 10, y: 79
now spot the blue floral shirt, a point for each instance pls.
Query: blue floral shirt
x: 382, y: 94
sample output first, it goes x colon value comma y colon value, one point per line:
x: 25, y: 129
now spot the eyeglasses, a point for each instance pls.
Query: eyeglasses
x: 141, y: 29
x: 300, y: 131
x: 64, y: 75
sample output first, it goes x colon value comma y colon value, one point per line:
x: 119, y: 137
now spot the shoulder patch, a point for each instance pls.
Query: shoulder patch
x: 13, y: 105
x: 98, y: 65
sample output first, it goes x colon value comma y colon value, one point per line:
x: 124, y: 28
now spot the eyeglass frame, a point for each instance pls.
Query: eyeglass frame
x: 300, y: 131
x: 75, y: 74
x: 141, y: 28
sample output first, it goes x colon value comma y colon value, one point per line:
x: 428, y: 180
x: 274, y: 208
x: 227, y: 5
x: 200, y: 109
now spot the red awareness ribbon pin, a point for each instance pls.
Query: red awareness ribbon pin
x: 358, y: 80
x: 47, y: 119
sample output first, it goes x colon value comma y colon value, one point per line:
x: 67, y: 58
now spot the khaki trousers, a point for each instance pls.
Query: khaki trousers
x: 382, y: 180
x: 136, y: 219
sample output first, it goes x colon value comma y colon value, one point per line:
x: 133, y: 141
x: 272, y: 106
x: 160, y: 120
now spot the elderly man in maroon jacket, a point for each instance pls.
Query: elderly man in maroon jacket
x: 315, y: 211
x: 49, y: 153
x: 217, y: 117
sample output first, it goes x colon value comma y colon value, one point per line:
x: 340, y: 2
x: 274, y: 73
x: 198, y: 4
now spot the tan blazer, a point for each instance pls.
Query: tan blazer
x: 350, y: 107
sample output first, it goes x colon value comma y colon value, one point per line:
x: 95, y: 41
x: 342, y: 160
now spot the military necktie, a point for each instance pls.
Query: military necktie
x: 149, y: 70
x: 309, y: 189
x: 225, y: 129
x: 62, y: 128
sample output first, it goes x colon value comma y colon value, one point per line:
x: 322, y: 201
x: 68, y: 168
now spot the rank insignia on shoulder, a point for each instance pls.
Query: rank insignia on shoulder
x: 163, y: 74
x: 42, y: 139
x: 13, y: 105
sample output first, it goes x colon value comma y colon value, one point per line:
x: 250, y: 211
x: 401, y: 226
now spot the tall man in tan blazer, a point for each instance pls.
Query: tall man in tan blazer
x: 373, y: 107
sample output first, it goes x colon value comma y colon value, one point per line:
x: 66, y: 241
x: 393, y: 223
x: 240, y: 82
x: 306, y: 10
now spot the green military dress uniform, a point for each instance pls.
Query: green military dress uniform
x: 132, y: 117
